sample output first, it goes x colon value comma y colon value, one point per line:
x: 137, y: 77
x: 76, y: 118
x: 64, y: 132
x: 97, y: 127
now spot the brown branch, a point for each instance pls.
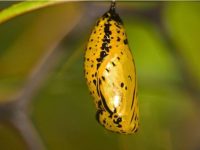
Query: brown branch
x: 26, y: 129
x: 15, y: 111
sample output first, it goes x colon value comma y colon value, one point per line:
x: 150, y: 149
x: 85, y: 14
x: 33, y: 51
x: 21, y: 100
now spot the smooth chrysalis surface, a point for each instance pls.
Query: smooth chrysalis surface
x: 111, y: 75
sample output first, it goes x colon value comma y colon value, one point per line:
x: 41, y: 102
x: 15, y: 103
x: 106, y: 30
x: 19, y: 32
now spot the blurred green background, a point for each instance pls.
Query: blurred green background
x: 41, y: 62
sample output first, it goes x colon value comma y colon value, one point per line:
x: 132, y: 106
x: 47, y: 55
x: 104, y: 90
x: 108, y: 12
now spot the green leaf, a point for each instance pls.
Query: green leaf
x: 23, y: 7
x: 182, y: 21
x: 21, y: 55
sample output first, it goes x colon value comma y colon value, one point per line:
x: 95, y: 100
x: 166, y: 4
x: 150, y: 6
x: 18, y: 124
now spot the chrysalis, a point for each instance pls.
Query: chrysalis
x: 111, y: 75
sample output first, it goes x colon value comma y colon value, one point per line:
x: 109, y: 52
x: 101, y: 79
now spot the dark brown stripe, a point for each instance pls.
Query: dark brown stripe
x: 133, y: 97
x: 105, y: 104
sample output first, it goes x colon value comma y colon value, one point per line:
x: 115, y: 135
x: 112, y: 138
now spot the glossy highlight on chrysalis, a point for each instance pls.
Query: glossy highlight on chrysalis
x: 111, y: 75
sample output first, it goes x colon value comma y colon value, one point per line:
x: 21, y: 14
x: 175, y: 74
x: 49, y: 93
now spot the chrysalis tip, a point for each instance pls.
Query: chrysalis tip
x: 112, y: 7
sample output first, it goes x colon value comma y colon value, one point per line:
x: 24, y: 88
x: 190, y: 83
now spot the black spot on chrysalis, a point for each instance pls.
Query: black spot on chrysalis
x: 125, y: 41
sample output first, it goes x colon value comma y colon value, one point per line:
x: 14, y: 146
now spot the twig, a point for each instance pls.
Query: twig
x: 25, y: 127
x: 15, y: 110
